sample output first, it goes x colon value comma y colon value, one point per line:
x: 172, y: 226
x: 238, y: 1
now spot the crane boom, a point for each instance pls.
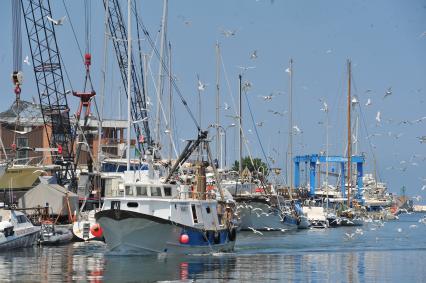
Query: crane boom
x: 50, y: 84
x: 118, y: 34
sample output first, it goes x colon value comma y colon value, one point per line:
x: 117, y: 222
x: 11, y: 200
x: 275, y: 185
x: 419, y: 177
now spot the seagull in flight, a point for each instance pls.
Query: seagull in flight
x: 378, y: 119
x: 297, y: 129
x: 388, y: 92
x: 228, y: 33
x: 368, y: 103
x: 422, y: 139
x: 201, y: 86
x: 253, y: 55
x: 325, y: 108
x: 226, y: 106
x: 255, y: 231
x: 58, y: 22
x: 27, y: 60
x: 277, y: 112
x: 350, y: 236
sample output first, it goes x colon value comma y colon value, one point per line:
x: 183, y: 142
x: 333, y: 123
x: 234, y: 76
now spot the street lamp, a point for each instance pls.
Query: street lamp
x: 224, y: 134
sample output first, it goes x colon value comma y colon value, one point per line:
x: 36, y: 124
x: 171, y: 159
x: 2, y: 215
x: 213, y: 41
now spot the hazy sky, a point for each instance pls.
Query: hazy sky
x: 383, y: 39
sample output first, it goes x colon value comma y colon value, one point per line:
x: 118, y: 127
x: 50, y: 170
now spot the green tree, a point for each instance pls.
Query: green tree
x: 257, y: 166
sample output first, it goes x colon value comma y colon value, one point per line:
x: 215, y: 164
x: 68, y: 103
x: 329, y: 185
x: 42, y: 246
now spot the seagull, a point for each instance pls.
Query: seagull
x: 359, y: 231
x: 413, y: 226
x: 27, y: 60
x: 201, y: 86
x: 246, y: 68
x: 229, y: 33
x: 354, y: 101
x: 325, y: 108
x: 247, y: 85
x: 255, y: 231
x: 253, y: 55
x: 368, y: 103
x: 399, y: 230
x: 378, y: 119
x: 388, y: 92
x: 56, y: 22
x: 419, y: 120
x: 277, y: 112
x: 423, y: 188
x: 267, y: 97
x: 287, y: 70
x: 350, y: 236
x: 268, y: 228
x: 297, y: 129
x: 227, y: 107
x: 422, y: 139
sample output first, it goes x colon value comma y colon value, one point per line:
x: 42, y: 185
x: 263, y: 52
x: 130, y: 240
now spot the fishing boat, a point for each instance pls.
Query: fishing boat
x: 16, y: 231
x: 147, y: 216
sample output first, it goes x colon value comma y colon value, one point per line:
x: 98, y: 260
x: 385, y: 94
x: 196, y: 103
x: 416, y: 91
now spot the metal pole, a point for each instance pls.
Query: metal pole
x: 129, y: 72
x: 291, y: 129
x: 240, y: 168
x: 169, y: 124
x: 217, y: 101
x: 349, y: 135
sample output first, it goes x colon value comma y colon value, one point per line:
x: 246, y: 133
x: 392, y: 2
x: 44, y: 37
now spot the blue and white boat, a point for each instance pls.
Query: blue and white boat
x: 147, y: 216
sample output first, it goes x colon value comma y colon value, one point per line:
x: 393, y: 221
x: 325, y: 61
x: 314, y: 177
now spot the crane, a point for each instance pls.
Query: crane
x: 139, y: 109
x: 46, y: 62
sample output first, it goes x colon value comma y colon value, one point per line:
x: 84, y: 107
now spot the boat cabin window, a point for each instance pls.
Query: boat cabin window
x: 156, y: 191
x: 132, y: 204
x: 21, y: 219
x: 194, y: 213
x: 167, y: 191
x: 141, y: 191
x: 129, y: 191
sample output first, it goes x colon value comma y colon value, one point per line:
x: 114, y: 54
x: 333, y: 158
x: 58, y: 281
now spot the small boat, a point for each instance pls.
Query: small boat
x: 16, y: 231
x: 53, y: 235
x: 85, y: 227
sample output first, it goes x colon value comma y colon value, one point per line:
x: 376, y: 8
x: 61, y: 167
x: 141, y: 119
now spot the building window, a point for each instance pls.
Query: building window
x: 22, y: 155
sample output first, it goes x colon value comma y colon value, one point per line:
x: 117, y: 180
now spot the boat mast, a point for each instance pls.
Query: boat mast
x: 349, y: 136
x: 290, y: 131
x: 218, y: 104
x: 129, y: 72
x: 326, y: 152
x: 169, y: 126
x: 160, y: 70
x: 240, y: 149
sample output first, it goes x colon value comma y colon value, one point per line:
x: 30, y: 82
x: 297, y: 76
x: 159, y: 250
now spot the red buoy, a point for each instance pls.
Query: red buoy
x: 96, y: 230
x: 13, y: 146
x: 87, y: 59
x: 184, y: 239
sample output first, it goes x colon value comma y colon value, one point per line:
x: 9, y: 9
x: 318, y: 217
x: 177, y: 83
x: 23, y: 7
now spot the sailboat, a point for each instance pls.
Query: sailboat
x: 349, y: 216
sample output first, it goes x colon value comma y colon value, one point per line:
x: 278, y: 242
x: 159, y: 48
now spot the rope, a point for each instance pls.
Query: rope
x: 73, y: 31
x: 257, y: 133
x: 165, y: 68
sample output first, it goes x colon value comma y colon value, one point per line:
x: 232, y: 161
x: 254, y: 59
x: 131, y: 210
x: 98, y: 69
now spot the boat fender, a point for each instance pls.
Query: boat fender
x: 184, y: 239
x: 96, y: 230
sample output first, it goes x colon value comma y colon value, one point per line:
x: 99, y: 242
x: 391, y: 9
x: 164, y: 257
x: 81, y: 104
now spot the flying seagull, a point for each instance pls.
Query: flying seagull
x: 58, y: 22
x: 368, y: 103
x: 378, y: 119
x: 253, y: 55
x: 27, y: 60
x: 388, y: 92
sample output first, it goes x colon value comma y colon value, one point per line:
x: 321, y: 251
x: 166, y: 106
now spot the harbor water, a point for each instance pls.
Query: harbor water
x: 393, y: 252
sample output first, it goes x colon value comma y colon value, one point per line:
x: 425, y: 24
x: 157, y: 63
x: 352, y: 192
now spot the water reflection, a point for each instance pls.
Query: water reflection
x: 383, y: 255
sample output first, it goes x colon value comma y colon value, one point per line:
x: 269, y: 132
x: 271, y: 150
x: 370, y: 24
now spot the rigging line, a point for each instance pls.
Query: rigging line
x: 257, y: 133
x: 368, y: 136
x: 165, y: 68
x: 162, y: 109
x: 73, y: 31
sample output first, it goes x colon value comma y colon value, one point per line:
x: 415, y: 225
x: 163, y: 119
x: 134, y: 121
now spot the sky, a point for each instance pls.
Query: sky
x: 382, y: 38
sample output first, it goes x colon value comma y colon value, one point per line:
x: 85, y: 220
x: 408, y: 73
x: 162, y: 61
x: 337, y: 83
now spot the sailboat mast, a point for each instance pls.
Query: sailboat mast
x: 240, y: 168
x: 169, y: 126
x: 290, y: 126
x: 349, y: 135
x: 129, y: 73
x: 218, y: 104
x: 160, y: 71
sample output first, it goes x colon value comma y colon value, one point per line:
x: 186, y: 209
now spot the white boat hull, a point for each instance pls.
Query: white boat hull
x: 22, y: 241
x: 136, y: 233
x: 260, y: 216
